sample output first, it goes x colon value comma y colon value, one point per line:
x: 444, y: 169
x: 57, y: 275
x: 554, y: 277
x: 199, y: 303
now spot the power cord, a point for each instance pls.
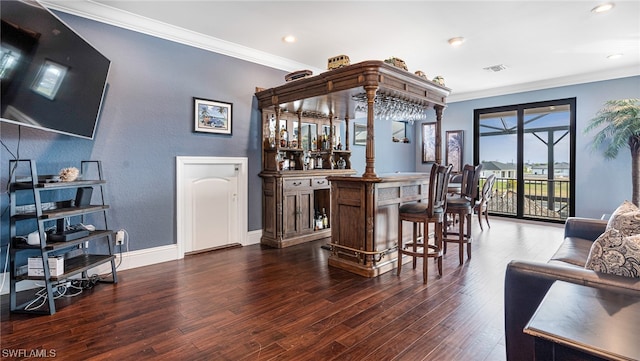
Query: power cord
x: 6, y: 265
x: 125, y: 242
x: 15, y: 156
x: 85, y: 283
x: 63, y: 290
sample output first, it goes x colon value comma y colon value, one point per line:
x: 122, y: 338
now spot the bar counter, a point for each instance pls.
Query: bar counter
x: 364, y: 219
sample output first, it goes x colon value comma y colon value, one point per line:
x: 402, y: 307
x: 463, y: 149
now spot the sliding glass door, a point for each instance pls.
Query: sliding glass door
x: 531, y: 150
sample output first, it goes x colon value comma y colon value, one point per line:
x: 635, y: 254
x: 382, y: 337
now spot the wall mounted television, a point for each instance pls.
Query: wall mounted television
x: 52, y: 79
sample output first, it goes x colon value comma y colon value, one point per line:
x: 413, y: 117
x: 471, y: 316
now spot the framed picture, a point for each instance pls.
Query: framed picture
x: 454, y: 149
x: 212, y: 116
x: 360, y: 134
x: 428, y: 142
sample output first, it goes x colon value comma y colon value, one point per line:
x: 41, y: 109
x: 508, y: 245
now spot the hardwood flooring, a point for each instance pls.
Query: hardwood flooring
x: 258, y: 303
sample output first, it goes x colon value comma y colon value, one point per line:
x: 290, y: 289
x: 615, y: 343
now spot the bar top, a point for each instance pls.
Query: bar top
x: 386, y: 177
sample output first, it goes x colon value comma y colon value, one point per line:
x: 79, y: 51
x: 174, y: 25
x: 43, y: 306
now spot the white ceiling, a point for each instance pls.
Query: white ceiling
x: 542, y: 43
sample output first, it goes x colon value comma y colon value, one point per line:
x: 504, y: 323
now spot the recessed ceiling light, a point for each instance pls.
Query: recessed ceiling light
x: 455, y: 42
x: 289, y: 39
x: 614, y: 56
x: 603, y: 8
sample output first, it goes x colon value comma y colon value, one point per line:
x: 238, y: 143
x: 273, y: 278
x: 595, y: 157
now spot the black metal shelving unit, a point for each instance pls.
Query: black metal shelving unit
x: 63, y: 209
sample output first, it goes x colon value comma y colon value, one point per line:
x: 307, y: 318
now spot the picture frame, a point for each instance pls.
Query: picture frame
x: 212, y: 116
x: 455, y: 148
x: 359, y: 134
x: 429, y: 142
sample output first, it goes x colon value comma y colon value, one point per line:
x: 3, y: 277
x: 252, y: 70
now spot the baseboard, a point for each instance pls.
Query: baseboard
x: 253, y: 237
x: 140, y: 258
x: 130, y: 260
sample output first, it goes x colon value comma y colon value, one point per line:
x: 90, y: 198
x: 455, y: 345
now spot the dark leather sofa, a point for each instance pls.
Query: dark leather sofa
x: 527, y: 282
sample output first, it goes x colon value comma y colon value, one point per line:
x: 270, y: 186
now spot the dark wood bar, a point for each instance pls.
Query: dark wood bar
x: 363, y: 209
x: 364, y: 233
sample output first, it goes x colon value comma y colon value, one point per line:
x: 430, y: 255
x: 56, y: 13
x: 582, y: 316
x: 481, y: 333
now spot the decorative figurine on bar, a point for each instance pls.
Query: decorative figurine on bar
x: 298, y: 75
x: 397, y: 62
x: 421, y: 74
x: 337, y: 62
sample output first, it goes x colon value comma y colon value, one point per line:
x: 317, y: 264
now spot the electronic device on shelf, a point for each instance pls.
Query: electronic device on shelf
x: 68, y: 235
x: 33, y: 238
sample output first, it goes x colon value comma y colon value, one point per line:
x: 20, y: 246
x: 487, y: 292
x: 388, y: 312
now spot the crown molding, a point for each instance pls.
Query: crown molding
x: 126, y: 20
x: 609, y: 74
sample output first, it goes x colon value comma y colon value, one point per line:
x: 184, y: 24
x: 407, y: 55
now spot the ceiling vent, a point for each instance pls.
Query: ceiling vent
x: 496, y: 68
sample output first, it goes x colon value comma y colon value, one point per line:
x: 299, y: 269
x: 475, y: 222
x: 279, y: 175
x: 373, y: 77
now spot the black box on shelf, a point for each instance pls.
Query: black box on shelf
x: 83, y: 196
x: 68, y: 235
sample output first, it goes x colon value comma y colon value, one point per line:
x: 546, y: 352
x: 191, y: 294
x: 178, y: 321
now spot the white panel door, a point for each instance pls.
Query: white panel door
x: 211, y: 199
x: 212, y: 206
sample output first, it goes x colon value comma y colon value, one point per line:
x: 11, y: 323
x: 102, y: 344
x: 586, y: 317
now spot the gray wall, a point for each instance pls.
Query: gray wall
x: 146, y: 121
x: 390, y: 157
x: 601, y: 185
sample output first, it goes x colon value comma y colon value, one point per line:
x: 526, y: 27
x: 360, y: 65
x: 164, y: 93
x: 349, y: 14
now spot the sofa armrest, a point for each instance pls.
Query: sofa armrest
x: 526, y: 284
x: 587, y: 228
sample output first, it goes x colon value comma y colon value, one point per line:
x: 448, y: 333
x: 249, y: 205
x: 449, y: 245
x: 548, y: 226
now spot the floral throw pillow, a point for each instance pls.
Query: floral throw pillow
x: 626, y: 219
x: 616, y: 254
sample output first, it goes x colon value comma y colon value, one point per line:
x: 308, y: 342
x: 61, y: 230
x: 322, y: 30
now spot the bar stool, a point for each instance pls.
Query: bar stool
x: 462, y: 205
x: 430, y: 211
x: 482, y: 206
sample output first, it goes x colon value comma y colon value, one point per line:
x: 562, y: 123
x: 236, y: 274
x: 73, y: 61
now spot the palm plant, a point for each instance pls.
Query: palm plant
x: 620, y: 120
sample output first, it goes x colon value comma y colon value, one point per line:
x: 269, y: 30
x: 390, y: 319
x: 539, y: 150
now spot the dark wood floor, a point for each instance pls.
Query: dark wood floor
x: 256, y: 303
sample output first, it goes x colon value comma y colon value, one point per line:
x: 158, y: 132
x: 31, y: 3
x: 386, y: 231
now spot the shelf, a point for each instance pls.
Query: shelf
x: 75, y: 265
x: 296, y: 150
x: 53, y: 246
x: 54, y: 185
x: 62, y: 212
x: 286, y: 149
x: 307, y: 172
x: 58, y: 209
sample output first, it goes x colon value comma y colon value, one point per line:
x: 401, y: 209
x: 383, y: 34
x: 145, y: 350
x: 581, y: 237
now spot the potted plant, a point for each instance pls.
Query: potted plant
x: 620, y: 120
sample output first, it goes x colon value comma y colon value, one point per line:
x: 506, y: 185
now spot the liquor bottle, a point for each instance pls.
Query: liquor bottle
x: 319, y: 223
x: 292, y: 162
x: 284, y: 138
x: 325, y: 219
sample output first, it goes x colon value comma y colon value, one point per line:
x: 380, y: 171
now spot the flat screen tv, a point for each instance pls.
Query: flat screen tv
x: 52, y: 78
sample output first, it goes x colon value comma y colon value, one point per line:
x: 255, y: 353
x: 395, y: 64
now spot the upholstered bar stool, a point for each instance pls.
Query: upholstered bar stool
x: 462, y: 205
x: 431, y: 211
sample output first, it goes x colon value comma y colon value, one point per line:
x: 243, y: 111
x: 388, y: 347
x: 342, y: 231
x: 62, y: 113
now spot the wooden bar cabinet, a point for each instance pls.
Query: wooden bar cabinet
x: 363, y: 209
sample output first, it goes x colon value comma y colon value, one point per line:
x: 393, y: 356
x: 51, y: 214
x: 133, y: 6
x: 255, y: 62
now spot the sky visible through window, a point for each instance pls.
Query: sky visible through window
x: 503, y: 147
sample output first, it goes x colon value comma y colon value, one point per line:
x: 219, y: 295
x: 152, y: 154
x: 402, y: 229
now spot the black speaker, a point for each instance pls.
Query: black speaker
x: 83, y: 196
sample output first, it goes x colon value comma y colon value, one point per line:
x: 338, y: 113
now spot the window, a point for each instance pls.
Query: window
x: 531, y: 149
